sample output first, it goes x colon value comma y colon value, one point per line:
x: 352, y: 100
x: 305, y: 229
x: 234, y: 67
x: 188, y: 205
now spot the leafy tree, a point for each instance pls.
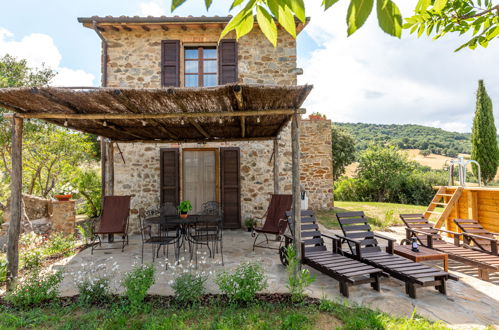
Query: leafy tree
x: 383, y: 168
x: 435, y: 17
x: 50, y: 153
x: 483, y: 136
x: 343, y: 145
x: 425, y: 152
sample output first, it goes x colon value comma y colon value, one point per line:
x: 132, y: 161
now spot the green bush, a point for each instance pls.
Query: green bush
x: 35, y: 289
x: 137, y: 282
x: 298, y: 279
x: 242, y: 285
x: 385, y: 175
x: 31, y: 259
x: 59, y: 243
x: 3, y: 269
x: 85, y: 231
x: 93, y: 291
x: 189, y: 288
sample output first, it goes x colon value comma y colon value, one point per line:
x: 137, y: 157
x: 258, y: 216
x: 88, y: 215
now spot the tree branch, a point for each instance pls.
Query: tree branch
x: 496, y: 8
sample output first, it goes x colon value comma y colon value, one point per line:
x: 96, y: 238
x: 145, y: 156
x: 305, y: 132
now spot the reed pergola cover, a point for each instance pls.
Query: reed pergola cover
x: 228, y: 112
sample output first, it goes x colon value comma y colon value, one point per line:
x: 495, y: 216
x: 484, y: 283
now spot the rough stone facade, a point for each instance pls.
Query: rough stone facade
x: 63, y: 216
x: 140, y: 173
x: 134, y: 61
x: 134, y: 57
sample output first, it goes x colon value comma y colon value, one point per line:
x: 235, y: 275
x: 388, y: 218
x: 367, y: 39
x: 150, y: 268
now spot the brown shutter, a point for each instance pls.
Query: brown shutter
x: 170, y: 63
x: 230, y: 187
x: 227, y: 61
x: 169, y: 162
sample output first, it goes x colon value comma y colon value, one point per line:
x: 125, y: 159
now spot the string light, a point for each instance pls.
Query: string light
x: 104, y: 123
x: 220, y: 121
x: 66, y: 123
x: 258, y: 119
x: 181, y: 122
x: 144, y: 123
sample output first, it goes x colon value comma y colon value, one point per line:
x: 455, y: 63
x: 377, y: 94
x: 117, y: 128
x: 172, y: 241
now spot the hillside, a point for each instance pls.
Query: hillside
x: 435, y: 140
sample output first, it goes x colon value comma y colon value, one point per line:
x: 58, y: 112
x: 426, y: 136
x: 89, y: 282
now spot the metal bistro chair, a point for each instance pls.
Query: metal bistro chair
x: 166, y: 236
x: 208, y: 232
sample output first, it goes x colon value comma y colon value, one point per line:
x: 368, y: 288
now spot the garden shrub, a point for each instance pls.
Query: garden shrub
x: 137, y: 282
x: 242, y: 285
x: 93, y: 282
x: 35, y: 289
x: 189, y: 288
x: 88, y: 185
x: 298, y: 279
x: 3, y: 269
x: 59, y: 243
x: 85, y: 231
x: 32, y: 258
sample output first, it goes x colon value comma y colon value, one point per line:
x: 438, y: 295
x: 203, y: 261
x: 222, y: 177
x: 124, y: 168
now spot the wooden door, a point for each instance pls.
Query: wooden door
x: 230, y: 187
x: 169, y: 180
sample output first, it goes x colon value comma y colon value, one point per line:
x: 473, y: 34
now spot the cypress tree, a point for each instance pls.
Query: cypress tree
x: 483, y: 136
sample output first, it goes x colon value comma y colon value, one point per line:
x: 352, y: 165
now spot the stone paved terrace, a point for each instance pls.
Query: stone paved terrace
x: 471, y: 303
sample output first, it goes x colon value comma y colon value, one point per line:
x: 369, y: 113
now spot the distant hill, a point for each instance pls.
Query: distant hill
x: 435, y: 140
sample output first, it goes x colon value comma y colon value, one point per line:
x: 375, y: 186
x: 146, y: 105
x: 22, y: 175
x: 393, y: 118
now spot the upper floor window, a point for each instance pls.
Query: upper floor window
x: 200, y: 65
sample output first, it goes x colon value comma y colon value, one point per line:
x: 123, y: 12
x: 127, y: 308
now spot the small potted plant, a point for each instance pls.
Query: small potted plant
x: 183, y: 208
x: 65, y: 193
x: 317, y: 116
x: 249, y: 223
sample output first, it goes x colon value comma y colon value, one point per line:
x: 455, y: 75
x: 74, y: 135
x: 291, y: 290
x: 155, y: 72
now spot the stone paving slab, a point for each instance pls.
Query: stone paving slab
x: 469, y: 303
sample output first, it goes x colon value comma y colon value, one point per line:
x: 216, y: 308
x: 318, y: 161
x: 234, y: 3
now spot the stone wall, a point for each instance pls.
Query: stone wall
x: 316, y: 164
x: 134, y: 57
x: 140, y: 173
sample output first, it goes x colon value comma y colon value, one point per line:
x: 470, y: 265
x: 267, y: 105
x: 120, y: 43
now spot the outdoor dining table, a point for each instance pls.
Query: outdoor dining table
x: 183, y: 223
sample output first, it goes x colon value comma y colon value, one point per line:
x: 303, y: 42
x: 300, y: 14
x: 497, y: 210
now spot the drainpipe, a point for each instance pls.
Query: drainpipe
x: 104, y: 56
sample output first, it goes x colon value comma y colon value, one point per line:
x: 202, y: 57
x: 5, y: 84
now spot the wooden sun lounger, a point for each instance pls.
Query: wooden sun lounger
x: 482, y: 239
x: 345, y: 270
x: 428, y: 236
x: 364, y: 246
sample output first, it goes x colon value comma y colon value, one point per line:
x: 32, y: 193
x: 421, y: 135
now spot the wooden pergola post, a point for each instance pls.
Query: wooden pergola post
x: 276, y: 166
x: 15, y: 204
x: 296, y: 210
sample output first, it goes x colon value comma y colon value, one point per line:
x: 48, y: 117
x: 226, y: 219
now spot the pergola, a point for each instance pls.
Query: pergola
x: 234, y: 112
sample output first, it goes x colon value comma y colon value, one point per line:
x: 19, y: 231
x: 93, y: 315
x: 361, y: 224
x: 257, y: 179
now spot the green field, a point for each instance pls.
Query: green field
x: 381, y: 215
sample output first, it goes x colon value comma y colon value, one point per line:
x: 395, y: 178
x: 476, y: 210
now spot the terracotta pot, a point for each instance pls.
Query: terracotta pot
x: 183, y: 215
x: 315, y: 117
x: 63, y: 198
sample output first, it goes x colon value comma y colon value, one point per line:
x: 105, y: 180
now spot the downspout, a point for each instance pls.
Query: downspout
x: 104, y: 56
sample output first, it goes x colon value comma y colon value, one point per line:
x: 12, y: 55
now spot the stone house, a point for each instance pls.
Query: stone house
x: 157, y: 52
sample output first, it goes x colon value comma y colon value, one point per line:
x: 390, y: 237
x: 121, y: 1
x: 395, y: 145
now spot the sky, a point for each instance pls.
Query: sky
x: 369, y: 77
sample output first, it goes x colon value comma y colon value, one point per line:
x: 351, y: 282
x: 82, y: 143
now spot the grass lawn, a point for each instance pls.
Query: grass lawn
x: 381, y: 215
x: 262, y: 315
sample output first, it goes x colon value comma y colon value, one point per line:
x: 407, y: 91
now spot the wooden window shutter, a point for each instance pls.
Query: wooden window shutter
x: 230, y: 187
x: 227, y: 61
x: 170, y: 63
x: 169, y: 181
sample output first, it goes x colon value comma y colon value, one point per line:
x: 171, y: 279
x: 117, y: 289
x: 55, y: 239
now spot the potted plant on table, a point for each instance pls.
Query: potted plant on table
x: 183, y: 208
x: 65, y: 193
x: 249, y: 223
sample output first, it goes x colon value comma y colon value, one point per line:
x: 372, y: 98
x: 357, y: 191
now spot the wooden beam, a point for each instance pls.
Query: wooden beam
x: 243, y: 127
x: 104, y: 116
x: 200, y: 129
x: 110, y: 168
x: 15, y: 204
x: 276, y: 166
x: 167, y: 132
x: 196, y: 140
x: 296, y: 209
x: 103, y: 168
x: 238, y: 94
x: 114, y: 28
